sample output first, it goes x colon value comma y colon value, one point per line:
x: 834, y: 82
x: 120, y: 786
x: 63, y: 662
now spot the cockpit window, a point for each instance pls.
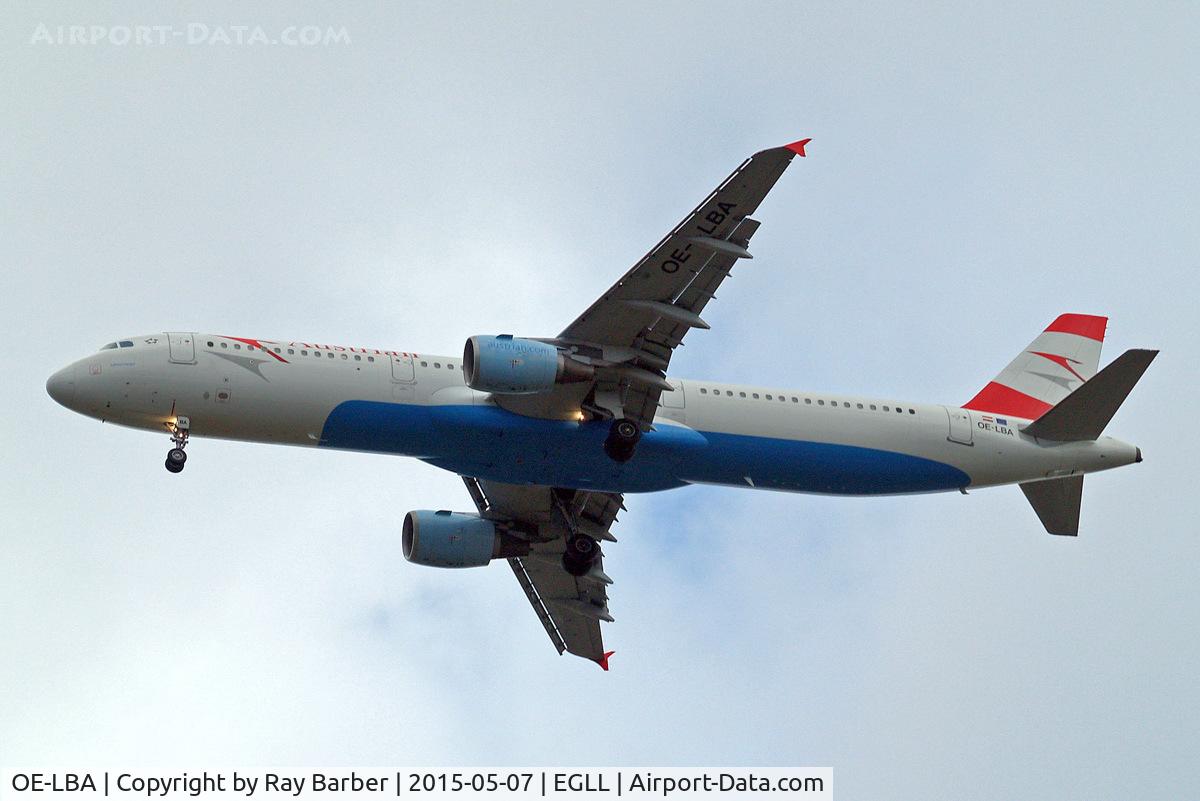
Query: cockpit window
x: 125, y: 343
x: 109, y: 346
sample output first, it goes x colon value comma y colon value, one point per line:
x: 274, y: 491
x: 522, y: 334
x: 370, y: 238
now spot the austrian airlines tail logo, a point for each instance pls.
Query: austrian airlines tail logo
x: 1061, y: 361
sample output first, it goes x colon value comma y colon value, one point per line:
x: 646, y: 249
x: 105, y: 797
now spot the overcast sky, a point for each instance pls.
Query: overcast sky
x: 468, y: 168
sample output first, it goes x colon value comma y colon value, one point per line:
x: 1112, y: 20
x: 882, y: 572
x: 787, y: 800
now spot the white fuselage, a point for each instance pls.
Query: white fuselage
x: 705, y: 432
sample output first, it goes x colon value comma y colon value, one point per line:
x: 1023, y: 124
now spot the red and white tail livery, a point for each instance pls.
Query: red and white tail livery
x: 1054, y: 365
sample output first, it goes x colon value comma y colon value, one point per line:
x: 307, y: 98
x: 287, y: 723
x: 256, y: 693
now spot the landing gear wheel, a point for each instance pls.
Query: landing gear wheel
x: 622, y: 439
x: 176, y: 457
x: 581, y: 553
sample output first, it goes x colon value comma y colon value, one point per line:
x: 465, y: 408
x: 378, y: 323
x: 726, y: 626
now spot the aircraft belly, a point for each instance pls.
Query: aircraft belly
x: 795, y: 465
x: 488, y: 442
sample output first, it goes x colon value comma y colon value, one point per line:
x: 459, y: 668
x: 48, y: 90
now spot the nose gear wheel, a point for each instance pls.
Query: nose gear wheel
x: 176, y: 457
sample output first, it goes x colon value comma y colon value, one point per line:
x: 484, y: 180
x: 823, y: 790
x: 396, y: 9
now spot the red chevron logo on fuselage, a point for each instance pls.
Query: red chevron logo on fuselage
x: 254, y: 343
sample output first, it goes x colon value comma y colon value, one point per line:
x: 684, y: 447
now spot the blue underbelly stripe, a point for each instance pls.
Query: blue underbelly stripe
x: 488, y: 442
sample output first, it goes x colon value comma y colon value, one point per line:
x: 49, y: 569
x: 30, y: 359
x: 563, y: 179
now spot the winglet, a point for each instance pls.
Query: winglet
x: 603, y: 661
x: 798, y: 147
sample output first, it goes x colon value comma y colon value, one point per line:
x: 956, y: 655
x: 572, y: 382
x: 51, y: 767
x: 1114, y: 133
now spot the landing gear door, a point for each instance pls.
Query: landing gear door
x: 182, y: 347
x: 672, y: 400
x: 960, y: 426
x: 402, y: 368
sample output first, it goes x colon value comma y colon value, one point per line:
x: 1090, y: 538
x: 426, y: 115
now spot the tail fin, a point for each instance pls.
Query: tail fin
x: 1056, y: 502
x: 1060, y: 360
x: 1084, y: 413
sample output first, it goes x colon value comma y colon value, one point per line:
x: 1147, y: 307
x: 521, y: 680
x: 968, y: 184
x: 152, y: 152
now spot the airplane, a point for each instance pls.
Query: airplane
x: 550, y: 434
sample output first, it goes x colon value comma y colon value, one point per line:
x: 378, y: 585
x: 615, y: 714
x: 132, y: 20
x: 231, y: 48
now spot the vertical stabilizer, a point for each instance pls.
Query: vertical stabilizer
x: 1055, y: 364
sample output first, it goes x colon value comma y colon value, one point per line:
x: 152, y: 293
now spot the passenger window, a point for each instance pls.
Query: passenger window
x: 899, y: 410
x: 794, y: 399
x: 756, y: 396
x: 277, y: 350
x: 438, y: 365
x: 370, y: 358
x: 703, y: 391
x: 357, y: 358
x: 330, y: 354
x: 886, y: 409
x: 424, y: 364
x: 820, y: 403
x: 303, y: 353
x: 743, y: 394
x: 729, y: 392
x: 344, y: 356
x: 770, y: 398
x: 210, y: 344
x: 860, y: 405
x: 291, y: 352
x: 224, y: 344
x: 236, y: 346
x: 808, y: 401
x: 872, y: 407
x: 912, y: 411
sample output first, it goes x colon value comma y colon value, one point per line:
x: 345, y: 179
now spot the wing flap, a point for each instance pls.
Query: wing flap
x: 715, y: 234
x: 632, y: 330
x: 569, y: 608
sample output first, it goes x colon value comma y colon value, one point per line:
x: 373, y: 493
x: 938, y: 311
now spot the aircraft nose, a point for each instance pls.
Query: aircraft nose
x: 61, y: 386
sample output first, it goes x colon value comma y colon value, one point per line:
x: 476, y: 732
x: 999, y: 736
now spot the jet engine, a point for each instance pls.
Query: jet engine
x: 455, y: 539
x: 510, y: 365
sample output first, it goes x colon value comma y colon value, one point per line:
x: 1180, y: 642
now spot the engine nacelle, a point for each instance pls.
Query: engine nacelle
x: 449, y: 539
x: 509, y: 365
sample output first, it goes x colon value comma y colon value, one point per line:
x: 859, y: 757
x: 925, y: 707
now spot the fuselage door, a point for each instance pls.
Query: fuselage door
x: 672, y: 400
x: 960, y: 426
x: 402, y: 368
x: 182, y: 347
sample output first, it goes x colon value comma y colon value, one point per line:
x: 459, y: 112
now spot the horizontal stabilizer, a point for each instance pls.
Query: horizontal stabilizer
x: 1056, y: 502
x: 1084, y: 413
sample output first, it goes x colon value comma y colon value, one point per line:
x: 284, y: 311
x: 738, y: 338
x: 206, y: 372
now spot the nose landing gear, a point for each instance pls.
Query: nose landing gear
x: 176, y: 458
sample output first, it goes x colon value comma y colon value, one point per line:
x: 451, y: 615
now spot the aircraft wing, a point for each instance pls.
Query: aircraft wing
x: 570, y: 608
x: 630, y: 333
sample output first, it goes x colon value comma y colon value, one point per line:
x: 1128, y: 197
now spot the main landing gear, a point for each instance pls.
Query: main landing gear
x: 623, y: 437
x: 581, y: 553
x: 176, y: 458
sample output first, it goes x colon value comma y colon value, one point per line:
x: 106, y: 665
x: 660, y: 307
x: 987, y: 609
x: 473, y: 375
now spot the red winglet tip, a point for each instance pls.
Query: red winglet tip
x: 798, y: 147
x: 603, y: 661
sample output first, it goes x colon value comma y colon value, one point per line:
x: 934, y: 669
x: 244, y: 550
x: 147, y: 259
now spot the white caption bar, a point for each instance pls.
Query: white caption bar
x: 433, y: 784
